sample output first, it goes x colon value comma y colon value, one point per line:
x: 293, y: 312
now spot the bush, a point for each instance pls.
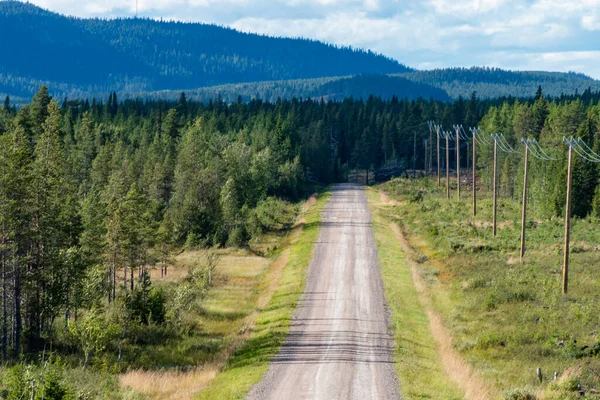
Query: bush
x: 146, y: 303
x: 92, y: 333
x: 520, y: 394
x: 29, y: 382
x: 237, y: 237
x: 269, y: 215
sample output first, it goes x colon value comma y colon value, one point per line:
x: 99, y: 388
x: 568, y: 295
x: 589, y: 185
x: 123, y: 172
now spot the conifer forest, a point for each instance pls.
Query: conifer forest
x: 94, y: 196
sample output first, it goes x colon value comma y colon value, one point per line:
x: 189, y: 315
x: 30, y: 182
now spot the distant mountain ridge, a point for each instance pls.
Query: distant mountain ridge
x: 496, y: 82
x: 142, y: 54
x: 83, y: 58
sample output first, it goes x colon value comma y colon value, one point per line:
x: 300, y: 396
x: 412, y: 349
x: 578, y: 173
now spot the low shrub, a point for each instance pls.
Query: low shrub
x: 520, y: 394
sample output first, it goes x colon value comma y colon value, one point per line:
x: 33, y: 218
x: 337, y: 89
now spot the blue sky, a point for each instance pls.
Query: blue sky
x: 555, y: 35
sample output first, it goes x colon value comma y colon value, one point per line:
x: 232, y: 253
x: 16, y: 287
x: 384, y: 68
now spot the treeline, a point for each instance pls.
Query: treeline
x: 137, y: 54
x: 494, y: 82
x: 547, y: 122
x: 91, y: 194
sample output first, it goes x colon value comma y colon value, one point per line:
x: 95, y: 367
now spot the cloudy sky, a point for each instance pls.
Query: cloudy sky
x: 556, y: 35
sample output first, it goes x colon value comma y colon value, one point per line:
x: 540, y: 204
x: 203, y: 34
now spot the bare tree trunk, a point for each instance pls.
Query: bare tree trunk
x: 114, y: 281
x: 4, y: 311
x: 18, y: 320
x: 109, y: 282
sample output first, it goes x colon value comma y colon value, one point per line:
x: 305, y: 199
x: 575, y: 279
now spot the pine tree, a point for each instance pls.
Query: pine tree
x: 585, y: 173
x: 15, y: 184
x: 54, y: 226
x: 137, y: 230
x: 39, y: 110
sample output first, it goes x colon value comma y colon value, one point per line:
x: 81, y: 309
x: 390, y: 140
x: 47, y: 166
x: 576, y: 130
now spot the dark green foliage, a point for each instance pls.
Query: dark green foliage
x: 269, y: 215
x: 155, y: 55
x: 27, y: 382
x: 146, y: 304
x: 92, y: 195
x: 211, y: 61
x: 495, y: 82
x: 363, y: 86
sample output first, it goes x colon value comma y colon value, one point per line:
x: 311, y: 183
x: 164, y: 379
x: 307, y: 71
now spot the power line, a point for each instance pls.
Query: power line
x: 501, y: 145
x: 542, y: 151
x: 590, y: 153
x: 535, y: 152
x: 479, y: 138
x: 464, y: 135
x: 507, y: 147
x: 584, y: 155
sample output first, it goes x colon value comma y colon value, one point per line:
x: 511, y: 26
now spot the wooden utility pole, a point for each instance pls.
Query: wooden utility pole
x: 565, y: 271
x: 425, y: 160
x: 415, y: 154
x: 438, y: 129
x: 457, y: 128
x: 447, y: 134
x: 431, y: 149
x: 467, y: 155
x: 494, y: 183
x: 524, y: 212
x: 473, y: 131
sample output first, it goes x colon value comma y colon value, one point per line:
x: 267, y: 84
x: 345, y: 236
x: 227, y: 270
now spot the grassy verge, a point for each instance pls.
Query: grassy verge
x: 251, y: 361
x: 418, y: 364
x: 505, y: 317
x: 225, y: 325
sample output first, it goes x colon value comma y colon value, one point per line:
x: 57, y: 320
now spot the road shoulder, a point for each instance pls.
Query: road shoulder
x: 417, y: 357
x: 265, y: 337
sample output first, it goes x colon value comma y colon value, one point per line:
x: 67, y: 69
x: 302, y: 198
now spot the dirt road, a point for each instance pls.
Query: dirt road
x: 339, y: 346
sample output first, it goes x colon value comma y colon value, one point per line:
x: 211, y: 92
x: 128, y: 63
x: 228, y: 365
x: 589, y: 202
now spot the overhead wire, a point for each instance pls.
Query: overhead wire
x: 534, y: 152
x: 502, y: 146
x: 507, y: 145
x: 481, y: 138
x: 582, y: 154
x: 589, y: 150
x: 581, y: 151
x: 464, y: 136
x: 542, y: 151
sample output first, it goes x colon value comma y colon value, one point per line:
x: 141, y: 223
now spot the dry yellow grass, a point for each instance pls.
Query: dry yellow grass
x: 454, y: 364
x: 173, y: 385
x: 385, y: 200
x: 245, y: 284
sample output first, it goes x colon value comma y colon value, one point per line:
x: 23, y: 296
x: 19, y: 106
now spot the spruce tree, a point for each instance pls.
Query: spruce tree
x: 15, y: 231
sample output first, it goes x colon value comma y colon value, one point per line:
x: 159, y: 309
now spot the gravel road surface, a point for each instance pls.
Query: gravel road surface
x: 338, y: 346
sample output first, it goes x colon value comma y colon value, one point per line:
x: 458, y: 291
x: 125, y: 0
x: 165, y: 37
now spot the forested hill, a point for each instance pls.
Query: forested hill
x: 141, y: 54
x: 85, y: 58
x: 495, y: 82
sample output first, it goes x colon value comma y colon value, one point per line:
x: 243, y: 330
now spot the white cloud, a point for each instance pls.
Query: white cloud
x: 466, y: 8
x: 590, y: 22
x: 538, y: 34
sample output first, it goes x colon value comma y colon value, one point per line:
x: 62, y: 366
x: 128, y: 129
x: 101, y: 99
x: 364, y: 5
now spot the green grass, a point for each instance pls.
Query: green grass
x: 178, y: 361
x: 250, y: 363
x: 418, y: 366
x: 507, y: 318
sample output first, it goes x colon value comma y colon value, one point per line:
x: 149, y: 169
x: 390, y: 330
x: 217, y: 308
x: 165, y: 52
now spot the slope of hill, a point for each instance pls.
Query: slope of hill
x: 440, y: 85
x: 332, y: 88
x: 142, y: 54
x: 83, y: 58
x: 495, y: 82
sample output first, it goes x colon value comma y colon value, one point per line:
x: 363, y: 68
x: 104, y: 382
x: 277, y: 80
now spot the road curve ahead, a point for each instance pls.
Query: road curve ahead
x: 338, y: 346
